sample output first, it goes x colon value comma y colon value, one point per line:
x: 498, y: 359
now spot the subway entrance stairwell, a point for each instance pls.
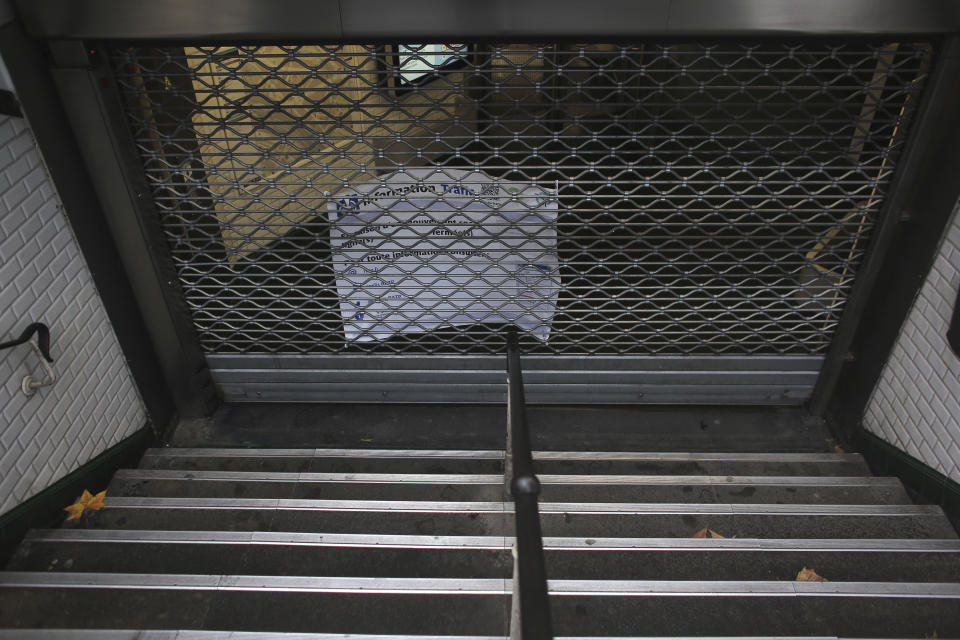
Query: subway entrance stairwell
x: 348, y: 228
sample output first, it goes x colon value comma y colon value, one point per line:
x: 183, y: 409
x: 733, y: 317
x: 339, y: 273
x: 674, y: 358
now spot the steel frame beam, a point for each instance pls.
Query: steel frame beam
x: 919, y: 204
x: 96, y: 115
x: 252, y: 20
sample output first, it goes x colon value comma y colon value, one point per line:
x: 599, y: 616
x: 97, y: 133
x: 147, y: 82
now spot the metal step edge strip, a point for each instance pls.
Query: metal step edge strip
x: 215, y: 582
x: 221, y: 452
x: 495, y: 479
x: 677, y: 456
x: 744, y: 509
x: 269, y: 538
x: 294, y: 476
x: 475, y: 586
x: 939, y: 590
x: 124, y: 502
x: 266, y: 538
x: 174, y: 452
x: 129, y: 634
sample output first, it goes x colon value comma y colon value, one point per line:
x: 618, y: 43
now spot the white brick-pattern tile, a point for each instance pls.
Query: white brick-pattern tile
x: 43, y: 277
x: 916, y: 404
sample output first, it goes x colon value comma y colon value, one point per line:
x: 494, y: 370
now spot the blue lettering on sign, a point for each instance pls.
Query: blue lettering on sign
x: 456, y: 190
x: 359, y: 314
x: 346, y: 203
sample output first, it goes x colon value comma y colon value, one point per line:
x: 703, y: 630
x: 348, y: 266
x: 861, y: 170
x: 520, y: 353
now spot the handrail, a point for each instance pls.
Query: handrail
x: 525, y: 488
x: 43, y: 339
x: 41, y: 346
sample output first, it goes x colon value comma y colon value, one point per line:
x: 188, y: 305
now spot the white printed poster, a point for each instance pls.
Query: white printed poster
x: 424, y: 249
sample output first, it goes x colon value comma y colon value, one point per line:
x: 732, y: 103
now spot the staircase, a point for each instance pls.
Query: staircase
x: 417, y: 543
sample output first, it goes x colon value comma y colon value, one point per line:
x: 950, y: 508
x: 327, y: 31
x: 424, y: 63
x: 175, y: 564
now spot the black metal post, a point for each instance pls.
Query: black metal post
x: 525, y: 488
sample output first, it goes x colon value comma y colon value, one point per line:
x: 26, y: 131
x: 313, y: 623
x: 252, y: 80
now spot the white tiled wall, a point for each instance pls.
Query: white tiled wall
x: 43, y: 277
x: 916, y: 404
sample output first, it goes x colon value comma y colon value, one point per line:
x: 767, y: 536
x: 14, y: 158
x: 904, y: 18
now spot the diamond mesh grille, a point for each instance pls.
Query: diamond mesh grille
x: 712, y: 198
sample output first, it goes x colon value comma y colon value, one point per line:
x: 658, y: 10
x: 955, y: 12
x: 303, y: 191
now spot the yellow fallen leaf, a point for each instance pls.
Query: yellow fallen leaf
x: 809, y: 575
x: 366, y: 439
x: 74, y: 510
x: 97, y: 502
x: 86, y: 501
x: 707, y: 533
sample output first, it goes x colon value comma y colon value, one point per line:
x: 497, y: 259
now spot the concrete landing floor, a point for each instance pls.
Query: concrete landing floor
x: 597, y: 428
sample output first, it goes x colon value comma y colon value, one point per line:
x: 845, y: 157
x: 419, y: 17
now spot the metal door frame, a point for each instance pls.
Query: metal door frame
x: 85, y: 88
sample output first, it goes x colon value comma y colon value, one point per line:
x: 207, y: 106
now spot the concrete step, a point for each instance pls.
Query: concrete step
x: 477, y: 606
x: 325, y: 460
x: 671, y: 608
x: 488, y: 487
x: 255, y: 553
x: 599, y: 520
x: 360, y: 555
x: 682, y: 463
x: 255, y: 603
x: 491, y: 461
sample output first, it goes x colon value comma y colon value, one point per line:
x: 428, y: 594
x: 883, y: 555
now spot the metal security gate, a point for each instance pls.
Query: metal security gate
x: 713, y: 204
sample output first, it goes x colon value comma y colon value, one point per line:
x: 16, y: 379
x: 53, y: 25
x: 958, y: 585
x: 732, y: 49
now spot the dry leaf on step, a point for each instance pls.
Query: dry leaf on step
x: 86, y: 501
x: 809, y: 575
x: 707, y: 533
x: 97, y: 502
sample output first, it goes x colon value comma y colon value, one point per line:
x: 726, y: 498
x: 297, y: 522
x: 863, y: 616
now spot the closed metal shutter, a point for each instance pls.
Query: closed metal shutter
x: 714, y: 200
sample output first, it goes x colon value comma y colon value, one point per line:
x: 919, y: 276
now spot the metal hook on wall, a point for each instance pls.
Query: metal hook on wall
x: 28, y: 385
x: 40, y: 346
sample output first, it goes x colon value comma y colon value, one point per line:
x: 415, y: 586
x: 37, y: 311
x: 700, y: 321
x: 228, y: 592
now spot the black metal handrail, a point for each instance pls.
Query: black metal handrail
x: 43, y: 339
x: 525, y: 489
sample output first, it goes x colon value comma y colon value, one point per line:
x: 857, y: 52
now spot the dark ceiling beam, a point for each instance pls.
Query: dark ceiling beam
x: 333, y: 20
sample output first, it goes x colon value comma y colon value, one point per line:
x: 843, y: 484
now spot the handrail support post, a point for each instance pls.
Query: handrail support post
x: 530, y: 607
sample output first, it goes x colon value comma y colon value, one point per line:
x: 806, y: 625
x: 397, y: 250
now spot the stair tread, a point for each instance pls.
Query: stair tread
x: 496, y: 479
x: 214, y: 452
x: 492, y: 461
x: 290, y: 553
x: 119, y: 502
x: 126, y: 634
x: 847, y: 489
x: 475, y: 586
x: 926, y: 545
